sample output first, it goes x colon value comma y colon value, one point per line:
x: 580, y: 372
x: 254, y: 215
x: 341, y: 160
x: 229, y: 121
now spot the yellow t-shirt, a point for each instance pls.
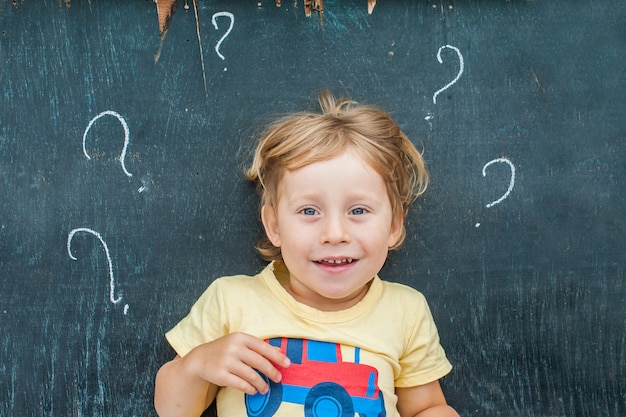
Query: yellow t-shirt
x: 343, y: 363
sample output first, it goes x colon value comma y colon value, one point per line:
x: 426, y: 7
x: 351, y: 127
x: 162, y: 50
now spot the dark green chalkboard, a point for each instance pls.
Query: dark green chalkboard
x: 108, y: 234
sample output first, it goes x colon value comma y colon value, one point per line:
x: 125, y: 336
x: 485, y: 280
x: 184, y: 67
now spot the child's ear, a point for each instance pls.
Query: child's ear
x: 395, y: 233
x: 270, y: 223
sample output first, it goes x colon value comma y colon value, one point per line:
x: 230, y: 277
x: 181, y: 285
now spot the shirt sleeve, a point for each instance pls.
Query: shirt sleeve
x: 204, y: 323
x: 424, y: 359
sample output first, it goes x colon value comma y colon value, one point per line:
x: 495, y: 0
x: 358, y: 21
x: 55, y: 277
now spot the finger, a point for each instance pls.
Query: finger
x: 270, y: 363
x: 271, y: 353
x: 254, y: 364
x: 278, y: 357
x: 240, y: 384
x: 251, y: 381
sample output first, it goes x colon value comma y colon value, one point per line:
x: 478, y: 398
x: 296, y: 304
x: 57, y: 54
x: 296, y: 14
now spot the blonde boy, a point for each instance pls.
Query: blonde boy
x: 317, y: 333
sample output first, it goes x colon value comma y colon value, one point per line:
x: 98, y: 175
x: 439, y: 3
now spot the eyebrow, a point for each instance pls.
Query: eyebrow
x: 358, y: 198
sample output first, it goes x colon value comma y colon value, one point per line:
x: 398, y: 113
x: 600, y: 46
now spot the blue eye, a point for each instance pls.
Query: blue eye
x: 358, y: 211
x: 309, y: 211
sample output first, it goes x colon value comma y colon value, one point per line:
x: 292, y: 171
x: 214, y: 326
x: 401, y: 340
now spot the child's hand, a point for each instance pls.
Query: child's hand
x: 233, y: 360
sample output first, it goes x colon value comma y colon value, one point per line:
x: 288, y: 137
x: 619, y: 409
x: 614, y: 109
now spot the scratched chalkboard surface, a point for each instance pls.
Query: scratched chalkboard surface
x: 121, y: 194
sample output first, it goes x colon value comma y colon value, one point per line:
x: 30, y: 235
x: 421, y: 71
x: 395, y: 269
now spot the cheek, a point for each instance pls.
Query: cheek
x: 385, y: 238
x: 292, y: 236
x: 294, y: 251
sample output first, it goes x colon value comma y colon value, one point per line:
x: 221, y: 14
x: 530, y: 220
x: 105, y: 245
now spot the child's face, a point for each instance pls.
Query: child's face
x: 334, y: 224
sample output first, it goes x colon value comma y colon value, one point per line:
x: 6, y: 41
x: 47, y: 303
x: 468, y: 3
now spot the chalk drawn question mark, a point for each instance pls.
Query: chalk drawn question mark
x: 232, y: 23
x: 112, y: 297
x: 126, y: 136
x: 511, y: 182
x: 458, y: 75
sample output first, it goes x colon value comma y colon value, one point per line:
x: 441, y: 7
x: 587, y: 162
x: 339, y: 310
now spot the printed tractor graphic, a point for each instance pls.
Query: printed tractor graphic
x: 322, y: 382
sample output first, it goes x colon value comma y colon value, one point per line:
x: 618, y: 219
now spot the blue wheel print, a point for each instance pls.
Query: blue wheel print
x: 265, y: 405
x: 328, y: 400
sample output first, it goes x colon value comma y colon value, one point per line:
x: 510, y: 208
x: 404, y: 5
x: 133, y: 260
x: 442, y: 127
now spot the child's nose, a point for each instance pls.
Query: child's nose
x: 335, y: 230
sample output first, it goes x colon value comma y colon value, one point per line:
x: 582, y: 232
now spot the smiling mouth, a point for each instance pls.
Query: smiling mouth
x: 336, y: 262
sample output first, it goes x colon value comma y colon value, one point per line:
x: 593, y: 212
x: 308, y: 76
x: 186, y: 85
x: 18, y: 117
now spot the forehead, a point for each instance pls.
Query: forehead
x: 347, y: 173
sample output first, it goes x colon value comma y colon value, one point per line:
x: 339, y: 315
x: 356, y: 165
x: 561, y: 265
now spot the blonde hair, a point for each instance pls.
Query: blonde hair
x: 300, y: 139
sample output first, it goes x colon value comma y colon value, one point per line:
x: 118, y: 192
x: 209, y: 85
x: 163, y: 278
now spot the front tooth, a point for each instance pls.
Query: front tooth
x: 339, y: 261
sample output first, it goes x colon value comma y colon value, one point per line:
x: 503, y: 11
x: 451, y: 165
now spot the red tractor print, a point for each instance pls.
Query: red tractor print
x: 322, y: 382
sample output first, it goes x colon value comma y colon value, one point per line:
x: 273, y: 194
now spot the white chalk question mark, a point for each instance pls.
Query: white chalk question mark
x: 112, y: 297
x: 126, y: 136
x: 219, y: 43
x: 511, y: 182
x: 461, y: 67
